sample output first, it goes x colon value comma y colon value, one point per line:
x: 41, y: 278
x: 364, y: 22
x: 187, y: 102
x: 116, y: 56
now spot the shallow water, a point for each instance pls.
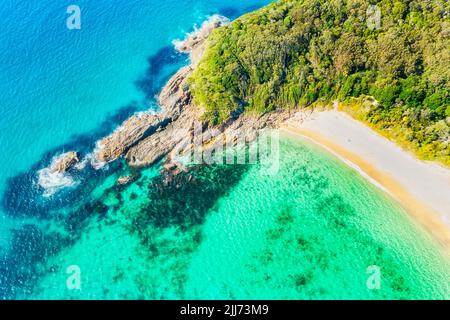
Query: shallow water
x: 222, y: 231
x: 64, y: 89
x: 230, y: 231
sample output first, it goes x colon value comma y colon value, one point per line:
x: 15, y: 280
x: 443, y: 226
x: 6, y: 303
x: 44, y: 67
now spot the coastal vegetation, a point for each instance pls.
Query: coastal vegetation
x: 386, y: 61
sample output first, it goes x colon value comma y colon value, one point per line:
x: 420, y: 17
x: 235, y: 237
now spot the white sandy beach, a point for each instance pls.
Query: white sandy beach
x: 422, y: 188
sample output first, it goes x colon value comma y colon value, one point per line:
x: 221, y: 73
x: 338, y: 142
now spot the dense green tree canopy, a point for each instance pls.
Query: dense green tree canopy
x: 293, y: 53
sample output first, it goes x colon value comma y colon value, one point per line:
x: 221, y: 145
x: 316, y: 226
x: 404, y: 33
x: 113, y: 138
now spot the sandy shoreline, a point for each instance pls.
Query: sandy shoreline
x: 422, y: 188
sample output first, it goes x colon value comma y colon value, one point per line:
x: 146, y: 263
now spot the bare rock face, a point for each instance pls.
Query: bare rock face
x: 159, y: 144
x: 144, y: 138
x: 173, y: 98
x: 175, y: 93
x: 131, y: 131
x: 147, y: 138
x: 64, y: 162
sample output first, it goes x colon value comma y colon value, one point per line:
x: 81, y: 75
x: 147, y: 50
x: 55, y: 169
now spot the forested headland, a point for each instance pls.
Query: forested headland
x: 392, y: 73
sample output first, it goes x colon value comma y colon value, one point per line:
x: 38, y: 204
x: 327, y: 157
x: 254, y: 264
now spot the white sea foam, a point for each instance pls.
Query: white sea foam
x: 205, y: 27
x: 53, y: 181
x: 178, y: 43
x: 82, y: 164
x: 92, y: 159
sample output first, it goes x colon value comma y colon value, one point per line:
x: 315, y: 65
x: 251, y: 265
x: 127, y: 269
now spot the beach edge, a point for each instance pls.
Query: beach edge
x: 420, y: 211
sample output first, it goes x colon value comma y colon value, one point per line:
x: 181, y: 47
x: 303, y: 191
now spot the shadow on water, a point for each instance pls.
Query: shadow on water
x: 31, y: 245
x: 229, y: 12
x: 23, y: 196
x: 34, y: 242
x: 161, y: 66
x: 71, y: 209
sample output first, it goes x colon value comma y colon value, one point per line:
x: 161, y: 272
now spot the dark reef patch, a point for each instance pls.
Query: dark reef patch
x: 183, y: 200
x: 69, y: 210
x: 22, y: 266
x: 176, y: 202
x: 23, y: 197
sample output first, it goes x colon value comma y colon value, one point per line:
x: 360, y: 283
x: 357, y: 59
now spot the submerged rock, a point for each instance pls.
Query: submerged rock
x: 124, y: 180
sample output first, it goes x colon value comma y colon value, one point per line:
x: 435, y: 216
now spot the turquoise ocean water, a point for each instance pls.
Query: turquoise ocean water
x: 310, y: 231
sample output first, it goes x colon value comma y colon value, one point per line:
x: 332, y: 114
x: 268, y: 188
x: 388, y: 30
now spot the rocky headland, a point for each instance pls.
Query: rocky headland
x: 148, y: 137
